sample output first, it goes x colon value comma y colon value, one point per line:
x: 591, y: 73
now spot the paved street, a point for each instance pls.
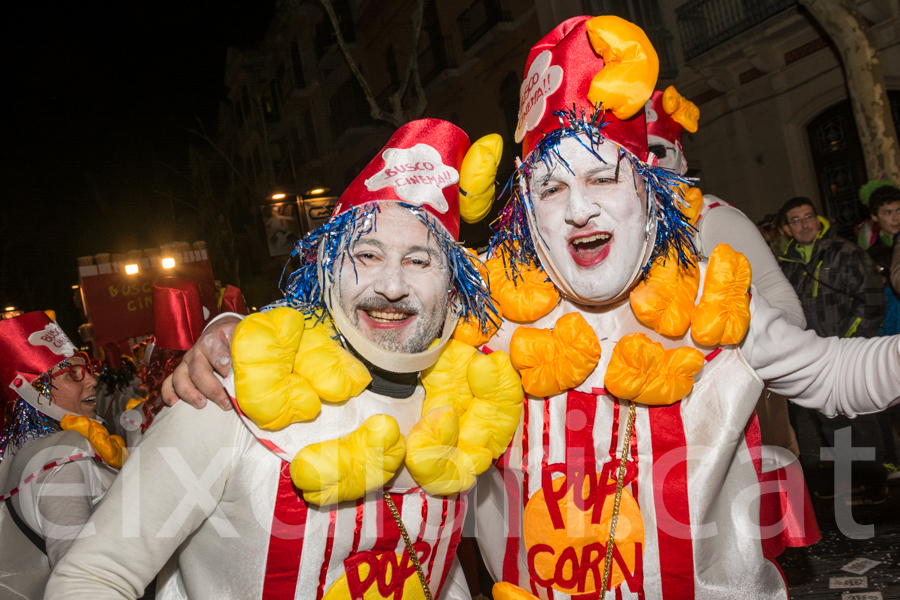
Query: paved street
x: 809, y: 570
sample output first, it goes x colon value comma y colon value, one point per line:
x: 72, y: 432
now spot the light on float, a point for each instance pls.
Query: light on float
x: 131, y: 269
x: 75, y: 287
x: 279, y: 196
x: 10, y: 308
x: 168, y: 263
x: 316, y: 191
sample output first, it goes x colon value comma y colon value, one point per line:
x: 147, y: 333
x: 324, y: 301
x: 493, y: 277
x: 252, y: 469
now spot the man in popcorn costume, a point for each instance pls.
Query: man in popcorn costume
x: 637, y: 465
x: 359, y: 425
x: 48, y: 438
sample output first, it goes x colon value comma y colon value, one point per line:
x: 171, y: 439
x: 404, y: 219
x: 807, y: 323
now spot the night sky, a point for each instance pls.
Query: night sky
x: 98, y: 98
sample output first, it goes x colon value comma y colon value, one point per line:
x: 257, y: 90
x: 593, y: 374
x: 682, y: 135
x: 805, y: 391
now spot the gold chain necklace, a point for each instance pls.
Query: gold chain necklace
x: 409, y: 547
x: 620, y: 484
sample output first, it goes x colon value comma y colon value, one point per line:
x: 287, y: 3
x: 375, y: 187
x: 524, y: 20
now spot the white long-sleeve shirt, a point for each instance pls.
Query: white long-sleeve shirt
x: 55, y: 505
x: 202, y: 487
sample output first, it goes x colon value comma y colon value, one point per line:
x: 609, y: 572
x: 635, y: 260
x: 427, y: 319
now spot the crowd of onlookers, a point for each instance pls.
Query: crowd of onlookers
x: 847, y: 289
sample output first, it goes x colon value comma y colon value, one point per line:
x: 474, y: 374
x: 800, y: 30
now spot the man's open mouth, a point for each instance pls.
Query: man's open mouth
x: 589, y: 250
x: 386, y: 318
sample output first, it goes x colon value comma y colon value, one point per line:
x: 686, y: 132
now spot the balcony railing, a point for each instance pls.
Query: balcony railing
x: 705, y: 24
x: 479, y: 18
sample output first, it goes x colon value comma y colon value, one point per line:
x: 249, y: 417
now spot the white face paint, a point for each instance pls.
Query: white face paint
x: 670, y: 155
x: 592, y: 223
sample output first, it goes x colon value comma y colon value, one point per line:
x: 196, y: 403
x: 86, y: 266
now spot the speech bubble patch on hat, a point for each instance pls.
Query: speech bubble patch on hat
x: 541, y: 81
x: 417, y: 175
x: 53, y: 338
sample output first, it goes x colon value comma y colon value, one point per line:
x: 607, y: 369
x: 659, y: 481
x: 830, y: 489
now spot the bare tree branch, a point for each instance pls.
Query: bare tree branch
x: 412, y: 68
x: 377, y: 113
x: 397, y: 116
x: 202, y: 134
x: 188, y: 204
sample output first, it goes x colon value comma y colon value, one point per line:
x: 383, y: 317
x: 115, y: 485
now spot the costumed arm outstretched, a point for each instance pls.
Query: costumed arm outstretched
x: 832, y: 375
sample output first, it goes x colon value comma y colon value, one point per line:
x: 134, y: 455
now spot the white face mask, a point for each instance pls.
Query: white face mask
x: 593, y: 232
x: 670, y: 155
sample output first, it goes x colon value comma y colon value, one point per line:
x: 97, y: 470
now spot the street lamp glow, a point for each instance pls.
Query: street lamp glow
x: 168, y: 263
x: 131, y: 269
x: 278, y: 196
x: 316, y: 191
x: 75, y: 287
x: 10, y: 308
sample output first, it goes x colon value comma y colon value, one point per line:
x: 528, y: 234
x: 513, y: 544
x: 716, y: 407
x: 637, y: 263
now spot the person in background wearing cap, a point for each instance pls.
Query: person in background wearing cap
x: 361, y: 424
x: 177, y: 323
x: 716, y: 222
x: 638, y: 465
x: 47, y: 437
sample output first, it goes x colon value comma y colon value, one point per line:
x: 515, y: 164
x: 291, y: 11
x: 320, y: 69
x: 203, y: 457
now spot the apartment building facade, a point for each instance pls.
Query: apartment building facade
x: 775, y: 115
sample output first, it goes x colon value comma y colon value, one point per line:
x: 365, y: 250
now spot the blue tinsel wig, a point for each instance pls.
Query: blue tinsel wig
x: 321, y: 250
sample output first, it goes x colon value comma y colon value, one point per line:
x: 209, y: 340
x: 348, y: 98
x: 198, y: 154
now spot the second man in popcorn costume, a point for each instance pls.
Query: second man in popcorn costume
x: 636, y: 467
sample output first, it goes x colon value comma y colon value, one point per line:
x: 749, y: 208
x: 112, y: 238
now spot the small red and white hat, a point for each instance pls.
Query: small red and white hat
x: 420, y: 166
x: 669, y: 114
x: 30, y: 345
x: 585, y: 63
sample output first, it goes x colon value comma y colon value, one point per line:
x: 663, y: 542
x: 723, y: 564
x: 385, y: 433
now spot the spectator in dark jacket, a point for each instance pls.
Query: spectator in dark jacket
x: 842, y: 295
x: 840, y: 290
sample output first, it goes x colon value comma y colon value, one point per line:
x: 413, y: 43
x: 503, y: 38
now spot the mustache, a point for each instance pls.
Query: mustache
x: 383, y: 304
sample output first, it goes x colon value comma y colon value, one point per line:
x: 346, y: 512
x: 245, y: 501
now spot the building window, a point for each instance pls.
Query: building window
x: 269, y: 101
x: 258, y: 167
x: 245, y: 103
x: 284, y: 81
x: 238, y: 113
x: 509, y: 103
x: 349, y: 108
x: 840, y: 166
x: 390, y: 63
x: 298, y: 148
x: 297, y: 63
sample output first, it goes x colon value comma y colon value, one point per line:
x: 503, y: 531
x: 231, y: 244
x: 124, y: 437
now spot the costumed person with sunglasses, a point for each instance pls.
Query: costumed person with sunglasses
x: 177, y: 323
x: 668, y: 115
x: 56, y: 461
x: 637, y: 465
x: 360, y: 425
